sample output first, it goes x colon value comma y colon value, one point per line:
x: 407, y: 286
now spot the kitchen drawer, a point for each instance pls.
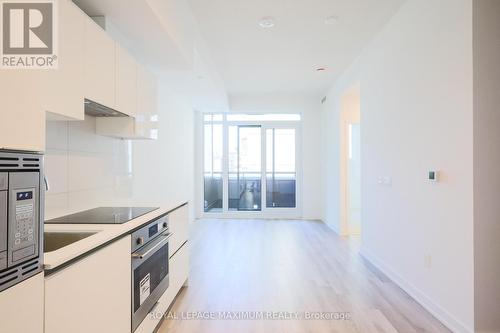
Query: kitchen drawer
x: 179, y: 270
x: 178, y: 222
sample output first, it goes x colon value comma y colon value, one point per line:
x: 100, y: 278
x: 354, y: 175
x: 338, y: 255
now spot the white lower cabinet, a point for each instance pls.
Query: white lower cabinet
x: 93, y: 294
x: 21, y: 307
x: 178, y: 276
x: 179, y: 227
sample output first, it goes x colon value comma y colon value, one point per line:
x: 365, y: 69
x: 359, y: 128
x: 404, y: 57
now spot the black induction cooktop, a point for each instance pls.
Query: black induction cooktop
x: 103, y: 215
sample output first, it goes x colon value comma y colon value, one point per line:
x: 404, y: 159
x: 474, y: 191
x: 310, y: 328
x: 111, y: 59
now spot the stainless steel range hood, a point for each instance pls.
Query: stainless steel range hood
x: 98, y: 110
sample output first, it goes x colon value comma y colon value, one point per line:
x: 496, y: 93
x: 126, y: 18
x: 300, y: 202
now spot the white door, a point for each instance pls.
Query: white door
x: 244, y: 168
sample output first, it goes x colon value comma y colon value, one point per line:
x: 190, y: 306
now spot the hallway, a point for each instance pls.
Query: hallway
x: 289, y: 268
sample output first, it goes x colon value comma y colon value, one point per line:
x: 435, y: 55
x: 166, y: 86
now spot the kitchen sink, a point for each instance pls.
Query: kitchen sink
x: 54, y: 240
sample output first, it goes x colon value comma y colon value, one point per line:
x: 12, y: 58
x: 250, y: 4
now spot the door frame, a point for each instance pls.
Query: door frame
x: 350, y: 113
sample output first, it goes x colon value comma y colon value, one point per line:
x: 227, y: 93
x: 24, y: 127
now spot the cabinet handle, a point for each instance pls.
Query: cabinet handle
x: 163, y: 239
x: 46, y: 181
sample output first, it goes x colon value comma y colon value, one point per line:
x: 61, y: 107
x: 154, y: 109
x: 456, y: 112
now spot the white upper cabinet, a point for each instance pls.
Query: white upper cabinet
x: 143, y: 124
x: 147, y: 104
x: 90, y: 65
x: 126, y: 81
x: 22, y: 121
x: 146, y: 92
x: 99, y: 65
x: 63, y: 94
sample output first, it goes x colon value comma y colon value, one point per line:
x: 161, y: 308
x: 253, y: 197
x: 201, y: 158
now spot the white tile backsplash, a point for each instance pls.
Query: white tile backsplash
x: 85, y: 170
x: 56, y: 205
x: 83, y: 138
x: 56, y: 170
x: 57, y: 135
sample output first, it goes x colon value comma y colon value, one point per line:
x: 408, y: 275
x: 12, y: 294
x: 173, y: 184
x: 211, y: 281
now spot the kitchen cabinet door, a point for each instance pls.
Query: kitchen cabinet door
x: 179, y: 270
x: 22, y: 120
x: 64, y: 88
x: 146, y: 121
x: 21, y: 307
x: 99, y: 65
x: 126, y: 81
x: 143, y: 124
x: 178, y: 223
x: 93, y: 294
x: 146, y: 92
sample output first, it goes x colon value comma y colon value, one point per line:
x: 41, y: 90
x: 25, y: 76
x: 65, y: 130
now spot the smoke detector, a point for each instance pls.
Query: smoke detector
x: 330, y: 20
x: 267, y: 22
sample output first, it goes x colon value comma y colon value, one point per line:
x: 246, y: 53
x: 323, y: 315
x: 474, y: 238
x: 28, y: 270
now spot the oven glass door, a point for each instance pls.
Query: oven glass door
x: 147, y: 275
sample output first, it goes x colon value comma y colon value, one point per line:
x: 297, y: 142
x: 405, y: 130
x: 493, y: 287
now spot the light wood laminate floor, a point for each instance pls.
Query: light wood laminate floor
x: 281, y: 266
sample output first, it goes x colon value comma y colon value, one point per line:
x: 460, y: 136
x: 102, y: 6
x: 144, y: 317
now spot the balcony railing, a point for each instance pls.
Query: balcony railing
x: 245, y: 191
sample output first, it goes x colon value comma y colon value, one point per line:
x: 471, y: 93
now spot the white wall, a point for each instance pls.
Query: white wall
x: 87, y: 170
x: 309, y: 107
x: 415, y: 79
x: 486, y: 165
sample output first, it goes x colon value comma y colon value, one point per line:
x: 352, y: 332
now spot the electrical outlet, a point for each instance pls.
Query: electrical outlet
x: 428, y: 261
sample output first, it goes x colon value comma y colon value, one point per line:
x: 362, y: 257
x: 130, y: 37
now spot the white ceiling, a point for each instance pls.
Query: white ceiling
x: 252, y: 60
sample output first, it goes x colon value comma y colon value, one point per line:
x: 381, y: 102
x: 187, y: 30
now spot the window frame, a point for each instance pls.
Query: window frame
x: 265, y: 212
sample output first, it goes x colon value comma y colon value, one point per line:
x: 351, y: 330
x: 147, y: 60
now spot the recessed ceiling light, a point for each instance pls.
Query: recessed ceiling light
x: 267, y: 22
x: 320, y: 69
x: 331, y: 20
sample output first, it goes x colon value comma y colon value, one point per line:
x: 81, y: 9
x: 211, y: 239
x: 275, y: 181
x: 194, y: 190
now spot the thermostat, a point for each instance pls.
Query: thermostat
x: 433, y: 176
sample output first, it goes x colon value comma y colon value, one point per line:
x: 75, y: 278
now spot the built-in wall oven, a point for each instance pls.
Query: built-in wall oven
x: 21, y: 216
x: 149, y: 267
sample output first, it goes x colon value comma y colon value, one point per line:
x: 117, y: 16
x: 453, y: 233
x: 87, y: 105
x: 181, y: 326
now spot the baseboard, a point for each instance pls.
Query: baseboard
x: 333, y: 227
x: 436, y: 310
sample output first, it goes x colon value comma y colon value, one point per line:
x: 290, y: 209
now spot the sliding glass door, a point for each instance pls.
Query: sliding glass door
x: 281, y: 174
x: 213, y: 166
x: 251, y: 165
x: 245, y: 168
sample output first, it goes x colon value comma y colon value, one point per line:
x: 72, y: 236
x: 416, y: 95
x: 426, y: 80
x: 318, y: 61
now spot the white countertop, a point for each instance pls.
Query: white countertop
x: 105, y: 233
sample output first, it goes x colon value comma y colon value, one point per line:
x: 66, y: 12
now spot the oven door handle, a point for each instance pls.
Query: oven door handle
x: 162, y: 240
